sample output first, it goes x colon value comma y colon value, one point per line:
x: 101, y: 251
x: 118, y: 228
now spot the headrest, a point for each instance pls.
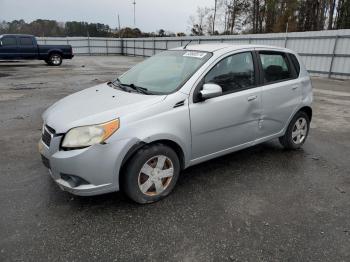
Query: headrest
x: 274, y: 70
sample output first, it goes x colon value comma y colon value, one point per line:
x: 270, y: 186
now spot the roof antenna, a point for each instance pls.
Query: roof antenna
x: 187, y: 44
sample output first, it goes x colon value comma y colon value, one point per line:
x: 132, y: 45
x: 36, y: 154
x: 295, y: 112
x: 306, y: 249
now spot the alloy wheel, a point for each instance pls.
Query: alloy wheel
x: 299, y: 131
x: 55, y: 59
x: 155, y: 175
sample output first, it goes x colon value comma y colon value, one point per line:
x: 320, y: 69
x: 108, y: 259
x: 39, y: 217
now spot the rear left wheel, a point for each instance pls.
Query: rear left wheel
x: 296, y: 132
x: 54, y: 59
x: 151, y: 174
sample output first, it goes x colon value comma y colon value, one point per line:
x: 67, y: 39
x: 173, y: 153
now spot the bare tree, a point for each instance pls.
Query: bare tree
x: 234, y: 11
x: 214, y: 16
x: 258, y: 16
x: 197, y: 22
x: 331, y: 4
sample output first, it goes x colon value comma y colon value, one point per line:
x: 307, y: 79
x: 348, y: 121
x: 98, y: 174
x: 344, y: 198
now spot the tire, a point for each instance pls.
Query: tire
x: 297, y: 131
x: 54, y: 59
x: 151, y: 174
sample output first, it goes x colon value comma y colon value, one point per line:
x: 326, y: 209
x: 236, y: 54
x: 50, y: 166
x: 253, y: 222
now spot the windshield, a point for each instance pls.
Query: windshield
x: 165, y: 72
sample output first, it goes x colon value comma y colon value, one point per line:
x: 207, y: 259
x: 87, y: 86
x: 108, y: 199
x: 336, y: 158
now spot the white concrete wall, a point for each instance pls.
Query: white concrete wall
x: 321, y: 51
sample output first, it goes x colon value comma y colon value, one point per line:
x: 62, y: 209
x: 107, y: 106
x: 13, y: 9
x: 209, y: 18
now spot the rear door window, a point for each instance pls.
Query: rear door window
x: 9, y: 41
x: 26, y: 41
x: 275, y: 67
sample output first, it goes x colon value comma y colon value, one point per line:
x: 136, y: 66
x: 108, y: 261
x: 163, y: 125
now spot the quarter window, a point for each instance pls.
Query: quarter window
x: 275, y: 67
x: 295, y: 63
x: 9, y: 41
x: 233, y: 73
x: 26, y: 41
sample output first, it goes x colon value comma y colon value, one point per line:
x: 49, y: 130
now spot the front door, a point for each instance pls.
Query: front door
x: 231, y: 119
x: 8, y: 48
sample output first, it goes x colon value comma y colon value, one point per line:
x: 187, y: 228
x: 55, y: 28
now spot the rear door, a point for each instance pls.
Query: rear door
x: 9, y: 48
x: 28, y: 50
x: 281, y: 91
x: 229, y: 120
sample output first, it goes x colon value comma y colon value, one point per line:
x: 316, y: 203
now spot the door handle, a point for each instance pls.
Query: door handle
x: 251, y: 98
x: 295, y: 87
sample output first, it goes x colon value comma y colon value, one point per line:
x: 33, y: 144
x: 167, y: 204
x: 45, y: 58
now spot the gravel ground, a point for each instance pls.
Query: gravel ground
x: 259, y: 204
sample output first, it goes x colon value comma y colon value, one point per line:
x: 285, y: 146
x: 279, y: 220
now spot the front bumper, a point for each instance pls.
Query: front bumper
x: 96, y: 166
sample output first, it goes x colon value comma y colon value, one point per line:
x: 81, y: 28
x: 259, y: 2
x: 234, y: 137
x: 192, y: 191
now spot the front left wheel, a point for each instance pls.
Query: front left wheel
x: 151, y: 173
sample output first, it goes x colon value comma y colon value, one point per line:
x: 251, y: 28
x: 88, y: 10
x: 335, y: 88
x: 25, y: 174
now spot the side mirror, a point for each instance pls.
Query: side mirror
x: 210, y: 90
x: 0, y: 42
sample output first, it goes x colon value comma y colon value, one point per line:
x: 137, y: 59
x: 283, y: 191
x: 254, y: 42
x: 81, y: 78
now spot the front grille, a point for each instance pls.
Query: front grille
x: 51, y: 130
x: 46, y: 137
x: 46, y: 162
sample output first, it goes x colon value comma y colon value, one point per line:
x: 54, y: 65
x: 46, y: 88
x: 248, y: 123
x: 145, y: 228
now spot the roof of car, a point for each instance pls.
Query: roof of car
x: 228, y: 47
x: 16, y: 35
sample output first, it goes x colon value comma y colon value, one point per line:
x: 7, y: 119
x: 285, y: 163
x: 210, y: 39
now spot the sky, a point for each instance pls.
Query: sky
x: 151, y: 15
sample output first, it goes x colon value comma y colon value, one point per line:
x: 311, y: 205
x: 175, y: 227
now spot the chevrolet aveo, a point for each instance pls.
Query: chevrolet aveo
x: 174, y: 110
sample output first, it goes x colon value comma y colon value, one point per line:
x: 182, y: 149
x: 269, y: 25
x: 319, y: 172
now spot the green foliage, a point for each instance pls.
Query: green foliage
x: 343, y: 18
x: 41, y: 27
x: 49, y: 28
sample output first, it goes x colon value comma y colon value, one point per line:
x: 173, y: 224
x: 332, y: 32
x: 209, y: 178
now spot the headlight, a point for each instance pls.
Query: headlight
x: 85, y: 136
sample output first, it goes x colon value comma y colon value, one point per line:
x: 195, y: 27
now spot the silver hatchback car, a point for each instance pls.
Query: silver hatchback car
x: 174, y: 110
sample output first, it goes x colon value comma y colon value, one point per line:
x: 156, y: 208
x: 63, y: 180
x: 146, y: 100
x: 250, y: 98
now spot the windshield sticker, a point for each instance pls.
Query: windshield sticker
x: 195, y: 54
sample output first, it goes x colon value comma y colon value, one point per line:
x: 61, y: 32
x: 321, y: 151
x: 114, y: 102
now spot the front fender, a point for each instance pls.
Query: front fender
x: 130, y: 146
x: 170, y: 137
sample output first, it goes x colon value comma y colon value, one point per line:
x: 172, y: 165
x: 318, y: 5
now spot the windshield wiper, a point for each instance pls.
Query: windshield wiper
x: 117, y: 84
x: 139, y: 89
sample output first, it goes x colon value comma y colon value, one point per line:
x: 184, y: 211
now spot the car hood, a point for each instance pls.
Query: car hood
x: 95, y: 105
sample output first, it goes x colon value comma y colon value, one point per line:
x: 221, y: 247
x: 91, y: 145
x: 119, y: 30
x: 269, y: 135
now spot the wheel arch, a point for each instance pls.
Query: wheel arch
x: 54, y: 51
x: 170, y: 143
x: 307, y: 110
x: 286, y: 138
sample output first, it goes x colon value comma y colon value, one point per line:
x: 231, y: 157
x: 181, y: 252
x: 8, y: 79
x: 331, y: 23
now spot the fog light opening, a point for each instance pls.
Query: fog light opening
x: 74, y: 181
